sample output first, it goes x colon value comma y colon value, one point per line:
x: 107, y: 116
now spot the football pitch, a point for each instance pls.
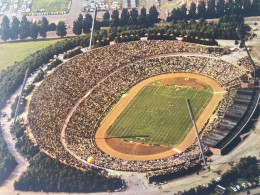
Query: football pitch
x: 159, y: 115
x: 50, y: 5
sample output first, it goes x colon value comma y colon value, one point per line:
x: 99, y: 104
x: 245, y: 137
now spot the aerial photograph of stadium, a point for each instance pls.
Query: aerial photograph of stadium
x: 131, y: 97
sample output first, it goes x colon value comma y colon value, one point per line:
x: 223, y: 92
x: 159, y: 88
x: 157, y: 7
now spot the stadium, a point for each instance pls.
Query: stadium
x: 122, y: 107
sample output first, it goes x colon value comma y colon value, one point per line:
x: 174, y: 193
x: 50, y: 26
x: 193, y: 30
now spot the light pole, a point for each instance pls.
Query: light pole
x: 92, y: 28
x: 196, y: 130
x: 20, y: 96
x: 243, y: 42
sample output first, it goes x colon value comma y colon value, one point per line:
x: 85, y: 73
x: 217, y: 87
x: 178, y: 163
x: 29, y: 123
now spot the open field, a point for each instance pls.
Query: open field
x: 141, y: 3
x: 50, y: 5
x: 159, y: 115
x: 169, y: 5
x: 11, y: 52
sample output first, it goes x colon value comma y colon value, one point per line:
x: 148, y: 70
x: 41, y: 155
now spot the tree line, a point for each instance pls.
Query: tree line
x: 191, y: 31
x: 215, y: 10
x: 24, y: 29
x: 127, y: 18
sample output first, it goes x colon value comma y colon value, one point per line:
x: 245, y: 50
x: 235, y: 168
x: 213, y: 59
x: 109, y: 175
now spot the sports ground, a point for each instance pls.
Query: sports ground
x: 205, y: 100
x: 158, y: 114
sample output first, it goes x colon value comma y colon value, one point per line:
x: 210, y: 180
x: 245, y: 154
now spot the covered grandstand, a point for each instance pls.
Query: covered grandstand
x: 224, y: 136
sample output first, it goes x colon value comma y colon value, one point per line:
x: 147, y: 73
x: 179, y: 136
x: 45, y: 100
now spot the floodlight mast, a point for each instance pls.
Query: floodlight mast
x: 243, y: 42
x: 92, y: 28
x: 20, y: 96
x: 196, y: 130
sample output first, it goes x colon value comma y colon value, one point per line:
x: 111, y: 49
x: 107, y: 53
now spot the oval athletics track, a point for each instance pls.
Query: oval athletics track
x: 100, y: 137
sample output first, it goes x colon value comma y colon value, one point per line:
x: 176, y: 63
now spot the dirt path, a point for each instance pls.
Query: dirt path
x: 100, y: 137
x: 7, y: 187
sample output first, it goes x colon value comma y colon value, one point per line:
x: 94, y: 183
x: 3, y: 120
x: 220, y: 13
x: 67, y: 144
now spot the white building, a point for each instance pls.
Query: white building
x: 133, y: 3
x: 125, y: 3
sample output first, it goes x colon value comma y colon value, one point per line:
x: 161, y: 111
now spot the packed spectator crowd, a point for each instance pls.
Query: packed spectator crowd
x: 111, y: 71
x: 246, y: 63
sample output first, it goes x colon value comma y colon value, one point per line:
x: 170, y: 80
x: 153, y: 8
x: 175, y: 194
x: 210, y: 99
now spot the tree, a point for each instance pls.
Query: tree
x: 153, y: 16
x: 192, y: 11
x: 5, y: 29
x: 124, y: 20
x: 76, y: 28
x: 202, y: 10
x: 114, y: 19
x: 24, y: 28
x: 238, y: 6
x: 87, y: 23
x: 211, y: 12
x: 246, y: 7
x: 176, y: 14
x: 183, y: 12
x: 142, y: 18
x: 229, y: 6
x: 80, y: 22
x: 106, y: 18
x: 61, y: 29
x: 80, y: 19
x: 220, y: 9
x: 78, y: 25
x: 34, y: 31
x: 133, y: 17
x: 255, y: 8
x: 15, y: 28
x: 44, y: 27
x: 52, y: 27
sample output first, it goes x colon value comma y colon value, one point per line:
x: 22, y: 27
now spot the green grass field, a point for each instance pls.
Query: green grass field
x: 11, y: 52
x: 50, y: 5
x: 169, y: 5
x: 159, y: 114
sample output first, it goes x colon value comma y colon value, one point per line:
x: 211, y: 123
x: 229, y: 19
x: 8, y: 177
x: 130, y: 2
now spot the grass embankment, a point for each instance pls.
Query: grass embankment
x: 17, y: 51
x: 159, y: 115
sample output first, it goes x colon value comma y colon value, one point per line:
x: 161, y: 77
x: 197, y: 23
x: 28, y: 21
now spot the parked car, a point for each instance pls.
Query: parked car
x: 244, y: 185
x: 217, y: 179
x: 233, y: 188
